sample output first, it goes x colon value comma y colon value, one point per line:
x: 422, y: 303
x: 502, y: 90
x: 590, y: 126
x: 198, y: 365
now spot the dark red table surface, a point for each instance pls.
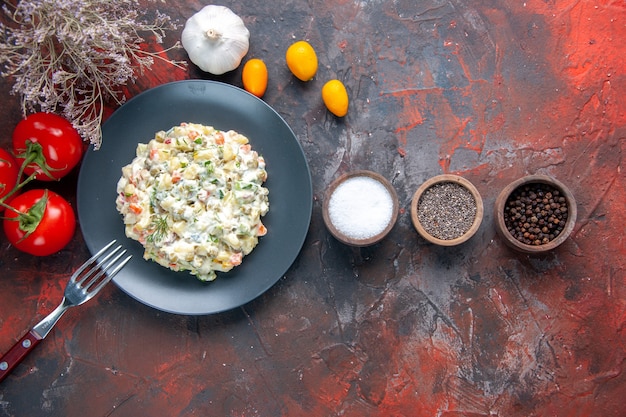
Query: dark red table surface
x: 488, y: 90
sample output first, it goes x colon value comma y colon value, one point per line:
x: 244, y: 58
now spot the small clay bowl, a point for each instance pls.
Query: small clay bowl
x: 442, y: 179
x: 511, y: 240
x: 359, y: 238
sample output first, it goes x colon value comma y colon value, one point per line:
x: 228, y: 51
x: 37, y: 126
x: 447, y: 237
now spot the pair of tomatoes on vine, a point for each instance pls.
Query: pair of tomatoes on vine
x: 45, y: 147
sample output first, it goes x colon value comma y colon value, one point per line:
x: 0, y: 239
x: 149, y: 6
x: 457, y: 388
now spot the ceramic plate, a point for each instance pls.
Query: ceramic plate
x: 225, y: 107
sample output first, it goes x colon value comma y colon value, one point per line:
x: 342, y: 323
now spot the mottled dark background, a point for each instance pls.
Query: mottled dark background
x: 490, y: 90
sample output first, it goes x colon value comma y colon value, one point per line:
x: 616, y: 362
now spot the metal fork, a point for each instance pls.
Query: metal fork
x: 83, y: 285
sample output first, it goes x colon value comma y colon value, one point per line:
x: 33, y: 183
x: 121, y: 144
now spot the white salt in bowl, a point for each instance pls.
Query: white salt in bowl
x: 360, y: 208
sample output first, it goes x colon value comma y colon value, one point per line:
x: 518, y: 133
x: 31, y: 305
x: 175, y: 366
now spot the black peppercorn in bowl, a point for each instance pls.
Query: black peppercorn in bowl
x: 447, y: 210
x: 535, y: 214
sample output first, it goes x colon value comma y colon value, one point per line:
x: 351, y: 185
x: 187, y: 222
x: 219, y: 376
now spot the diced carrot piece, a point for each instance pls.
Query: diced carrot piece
x: 219, y: 138
x: 135, y: 208
x: 261, y: 230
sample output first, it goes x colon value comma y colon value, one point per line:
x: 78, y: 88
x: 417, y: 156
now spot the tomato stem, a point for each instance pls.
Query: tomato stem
x: 33, y: 154
x: 29, y: 221
x: 17, y: 187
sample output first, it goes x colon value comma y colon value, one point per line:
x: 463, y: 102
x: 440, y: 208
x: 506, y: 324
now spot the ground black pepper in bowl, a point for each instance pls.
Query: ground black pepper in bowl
x: 447, y: 210
x: 536, y: 213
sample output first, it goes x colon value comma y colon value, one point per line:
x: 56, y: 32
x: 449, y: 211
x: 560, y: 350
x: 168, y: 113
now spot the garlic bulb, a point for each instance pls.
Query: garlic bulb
x: 215, y: 39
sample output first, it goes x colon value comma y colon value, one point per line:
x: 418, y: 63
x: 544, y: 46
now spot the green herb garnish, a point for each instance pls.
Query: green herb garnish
x: 160, y: 228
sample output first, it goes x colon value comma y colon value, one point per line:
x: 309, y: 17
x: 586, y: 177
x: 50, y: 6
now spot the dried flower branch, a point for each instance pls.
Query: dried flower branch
x: 72, y: 57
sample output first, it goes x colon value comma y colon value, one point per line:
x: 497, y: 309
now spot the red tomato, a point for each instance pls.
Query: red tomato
x: 9, y: 171
x: 56, y: 145
x: 49, y: 227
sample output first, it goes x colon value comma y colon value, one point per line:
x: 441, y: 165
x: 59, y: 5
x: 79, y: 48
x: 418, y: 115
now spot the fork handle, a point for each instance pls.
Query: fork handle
x: 18, y: 352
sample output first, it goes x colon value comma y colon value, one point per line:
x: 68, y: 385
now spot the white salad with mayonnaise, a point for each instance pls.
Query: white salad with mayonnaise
x: 194, y: 197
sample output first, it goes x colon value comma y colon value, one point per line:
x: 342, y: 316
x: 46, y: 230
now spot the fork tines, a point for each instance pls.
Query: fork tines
x: 101, y: 270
